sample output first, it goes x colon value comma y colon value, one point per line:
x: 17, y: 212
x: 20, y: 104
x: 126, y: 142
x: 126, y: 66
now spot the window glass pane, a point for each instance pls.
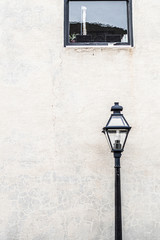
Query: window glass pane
x: 98, y: 21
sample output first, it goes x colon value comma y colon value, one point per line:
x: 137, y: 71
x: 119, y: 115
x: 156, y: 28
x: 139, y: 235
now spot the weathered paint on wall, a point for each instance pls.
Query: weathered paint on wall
x: 56, y: 170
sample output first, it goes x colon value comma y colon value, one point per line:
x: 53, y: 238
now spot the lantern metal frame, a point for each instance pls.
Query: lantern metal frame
x: 107, y: 127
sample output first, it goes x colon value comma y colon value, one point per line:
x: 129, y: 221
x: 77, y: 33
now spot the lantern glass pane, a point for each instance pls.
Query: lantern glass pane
x: 117, y: 138
x: 107, y: 138
x: 117, y: 121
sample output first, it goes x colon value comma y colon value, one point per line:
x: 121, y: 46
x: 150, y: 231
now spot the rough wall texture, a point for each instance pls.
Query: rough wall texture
x: 56, y: 170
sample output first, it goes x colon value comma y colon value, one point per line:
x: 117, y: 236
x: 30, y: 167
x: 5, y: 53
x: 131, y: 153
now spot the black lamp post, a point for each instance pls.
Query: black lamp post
x: 116, y: 131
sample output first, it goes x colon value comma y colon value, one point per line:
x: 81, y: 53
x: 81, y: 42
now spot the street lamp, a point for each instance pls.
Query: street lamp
x: 116, y: 131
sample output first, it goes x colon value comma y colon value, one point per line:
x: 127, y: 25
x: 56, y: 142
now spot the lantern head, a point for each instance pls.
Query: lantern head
x: 117, y: 129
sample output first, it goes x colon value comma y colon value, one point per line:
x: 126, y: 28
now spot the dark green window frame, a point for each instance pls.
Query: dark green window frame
x: 129, y: 26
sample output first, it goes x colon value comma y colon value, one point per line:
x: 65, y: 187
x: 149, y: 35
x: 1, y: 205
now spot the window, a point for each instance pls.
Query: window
x: 106, y: 22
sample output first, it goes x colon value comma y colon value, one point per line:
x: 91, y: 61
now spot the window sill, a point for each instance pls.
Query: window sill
x: 100, y: 46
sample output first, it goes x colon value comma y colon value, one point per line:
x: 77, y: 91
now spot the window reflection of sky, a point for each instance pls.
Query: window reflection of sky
x: 106, y: 12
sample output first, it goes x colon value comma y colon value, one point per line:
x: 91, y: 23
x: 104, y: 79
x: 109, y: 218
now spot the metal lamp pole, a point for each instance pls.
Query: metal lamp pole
x: 118, y: 214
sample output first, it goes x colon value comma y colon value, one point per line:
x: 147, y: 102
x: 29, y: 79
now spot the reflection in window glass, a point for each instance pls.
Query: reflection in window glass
x: 98, y: 21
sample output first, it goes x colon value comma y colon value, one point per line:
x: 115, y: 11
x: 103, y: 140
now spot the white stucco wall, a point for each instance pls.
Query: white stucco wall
x: 56, y: 169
